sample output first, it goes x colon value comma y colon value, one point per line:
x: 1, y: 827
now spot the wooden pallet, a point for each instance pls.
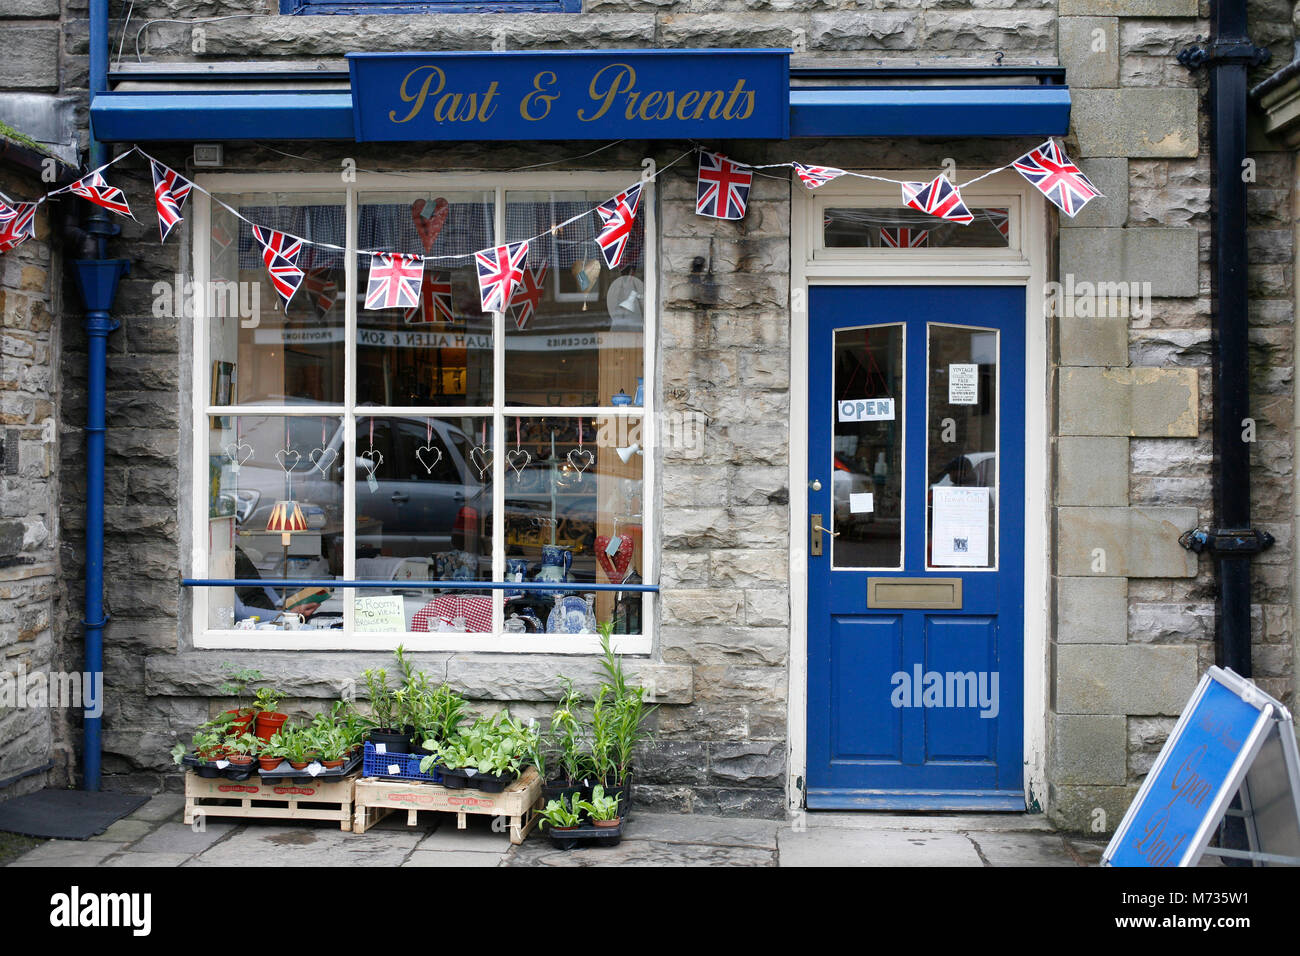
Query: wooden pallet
x: 517, y: 805
x: 252, y: 799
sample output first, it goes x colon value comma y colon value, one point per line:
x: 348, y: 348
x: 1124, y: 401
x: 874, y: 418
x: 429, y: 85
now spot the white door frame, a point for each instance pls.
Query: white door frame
x: 1023, y: 263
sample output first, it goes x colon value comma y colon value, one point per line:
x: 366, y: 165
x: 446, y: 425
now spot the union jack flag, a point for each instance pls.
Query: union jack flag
x: 94, y: 189
x: 529, y: 295
x: 170, y: 190
x: 937, y: 198
x: 280, y: 255
x: 721, y: 188
x: 322, y: 290
x: 17, y: 224
x: 435, y: 301
x: 500, y: 270
x: 617, y: 216
x: 1056, y: 177
x: 904, y: 237
x: 814, y: 176
x: 1001, y: 220
x: 395, y: 281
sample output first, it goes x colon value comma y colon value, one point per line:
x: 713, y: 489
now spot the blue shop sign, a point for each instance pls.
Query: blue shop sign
x: 600, y: 94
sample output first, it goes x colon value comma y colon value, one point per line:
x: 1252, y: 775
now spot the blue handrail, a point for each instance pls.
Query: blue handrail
x: 406, y: 585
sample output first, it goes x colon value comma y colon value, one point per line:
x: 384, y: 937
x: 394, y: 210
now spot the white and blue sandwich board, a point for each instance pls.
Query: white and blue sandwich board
x: 1232, y: 737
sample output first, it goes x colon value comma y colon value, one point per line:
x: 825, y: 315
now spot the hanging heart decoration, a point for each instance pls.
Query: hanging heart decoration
x: 616, y: 566
x: 371, y: 460
x: 322, y: 458
x: 481, y: 459
x: 238, y: 453
x: 429, y: 226
x: 514, y: 457
x: 581, y: 458
x: 434, y: 454
x: 284, y: 455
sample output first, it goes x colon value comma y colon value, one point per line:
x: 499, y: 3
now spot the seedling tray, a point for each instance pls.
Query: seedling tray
x: 586, y: 835
x: 286, y: 774
x: 208, y: 769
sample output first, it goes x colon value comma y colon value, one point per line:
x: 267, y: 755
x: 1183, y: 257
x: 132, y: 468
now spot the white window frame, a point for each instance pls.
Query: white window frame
x: 500, y: 184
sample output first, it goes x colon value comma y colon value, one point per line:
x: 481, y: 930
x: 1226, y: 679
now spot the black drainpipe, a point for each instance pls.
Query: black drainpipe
x: 1232, y: 542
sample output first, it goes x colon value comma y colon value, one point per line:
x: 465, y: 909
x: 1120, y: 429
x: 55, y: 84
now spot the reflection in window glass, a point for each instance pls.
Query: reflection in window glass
x: 275, y: 512
x: 962, y: 447
x: 901, y: 227
x: 867, y: 471
x: 574, y: 335
x: 263, y: 351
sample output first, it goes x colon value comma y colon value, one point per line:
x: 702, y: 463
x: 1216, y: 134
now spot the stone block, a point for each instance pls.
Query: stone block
x: 1136, y: 122
x: 1110, y: 175
x: 1093, y: 340
x: 1089, y: 48
x: 701, y: 606
x: 1167, y: 258
x: 721, y: 644
x: 1094, y: 811
x: 1091, y: 471
x: 31, y: 57
x: 866, y: 30
x: 1135, y: 402
x: 1091, y: 610
x: 752, y: 763
x: 1138, y: 679
x: 1128, y: 8
x: 1090, y: 750
x: 1124, y: 542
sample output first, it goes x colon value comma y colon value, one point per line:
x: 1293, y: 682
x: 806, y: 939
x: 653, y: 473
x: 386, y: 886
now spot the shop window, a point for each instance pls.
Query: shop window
x: 429, y: 6
x: 344, y: 444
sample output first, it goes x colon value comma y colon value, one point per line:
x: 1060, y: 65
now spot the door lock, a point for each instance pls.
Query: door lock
x: 815, y: 533
x: 815, y: 484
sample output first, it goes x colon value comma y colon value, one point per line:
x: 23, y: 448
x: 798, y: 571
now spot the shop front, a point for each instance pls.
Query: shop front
x: 787, y: 438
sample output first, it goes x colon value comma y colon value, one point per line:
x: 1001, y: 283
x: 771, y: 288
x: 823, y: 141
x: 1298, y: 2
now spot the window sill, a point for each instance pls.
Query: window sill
x: 360, y: 7
x: 313, y: 640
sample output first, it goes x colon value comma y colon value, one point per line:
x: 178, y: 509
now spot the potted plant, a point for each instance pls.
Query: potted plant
x: 603, y: 739
x: 561, y: 815
x: 269, y: 718
x: 241, y: 749
x: 293, y: 744
x: 236, y: 685
x: 206, y: 748
x: 566, y: 735
x: 385, y: 732
x: 602, y: 808
x: 333, y: 746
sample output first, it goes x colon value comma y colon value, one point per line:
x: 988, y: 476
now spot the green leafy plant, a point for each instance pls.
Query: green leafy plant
x: 203, y: 744
x: 291, y: 742
x: 557, y: 814
x: 603, y: 733
x: 268, y: 700
x: 244, y: 745
x: 236, y: 683
x: 566, y: 731
x: 600, y: 806
x: 382, y: 704
x: 497, y: 745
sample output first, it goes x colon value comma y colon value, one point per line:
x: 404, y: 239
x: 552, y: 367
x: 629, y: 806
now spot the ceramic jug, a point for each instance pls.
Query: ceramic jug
x: 556, y: 562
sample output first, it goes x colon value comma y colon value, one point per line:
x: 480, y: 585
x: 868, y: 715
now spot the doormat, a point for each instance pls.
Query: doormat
x: 67, y: 814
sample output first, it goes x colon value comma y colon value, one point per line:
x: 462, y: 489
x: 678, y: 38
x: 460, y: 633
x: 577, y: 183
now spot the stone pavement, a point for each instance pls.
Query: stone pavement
x: 155, y: 836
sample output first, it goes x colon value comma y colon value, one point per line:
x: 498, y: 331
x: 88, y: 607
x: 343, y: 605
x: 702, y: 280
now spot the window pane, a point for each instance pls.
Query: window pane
x: 275, y: 511
x: 901, y: 227
x: 573, y: 513
x: 424, y: 503
x: 962, y: 442
x: 263, y: 351
x: 867, y: 470
x: 578, y: 340
x: 438, y: 352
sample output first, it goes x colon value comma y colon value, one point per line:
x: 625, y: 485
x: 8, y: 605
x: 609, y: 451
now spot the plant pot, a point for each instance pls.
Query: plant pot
x: 393, y: 741
x: 240, y: 724
x: 607, y: 824
x: 562, y: 790
x: 268, y: 722
x: 240, y: 760
x: 299, y: 764
x: 332, y: 764
x: 453, y: 779
x: 491, y: 782
x: 269, y: 763
x: 208, y: 769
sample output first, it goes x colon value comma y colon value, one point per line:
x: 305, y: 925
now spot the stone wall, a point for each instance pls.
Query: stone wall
x: 29, y: 496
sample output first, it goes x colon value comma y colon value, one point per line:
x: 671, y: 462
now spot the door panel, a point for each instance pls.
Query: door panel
x: 916, y: 438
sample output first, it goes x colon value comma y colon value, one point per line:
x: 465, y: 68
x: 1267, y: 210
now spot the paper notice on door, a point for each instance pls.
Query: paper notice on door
x: 863, y: 503
x: 963, y: 384
x: 866, y: 410
x: 959, y: 527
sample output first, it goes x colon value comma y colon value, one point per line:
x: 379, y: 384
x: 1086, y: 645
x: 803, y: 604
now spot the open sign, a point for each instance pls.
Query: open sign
x: 867, y: 410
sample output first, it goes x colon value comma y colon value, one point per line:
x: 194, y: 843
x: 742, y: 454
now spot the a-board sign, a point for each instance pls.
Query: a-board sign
x: 1232, y: 737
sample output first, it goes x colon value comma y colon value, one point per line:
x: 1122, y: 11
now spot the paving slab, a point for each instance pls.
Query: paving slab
x: 826, y: 846
x: 931, y: 822
x: 1022, y: 849
x: 68, y: 853
x: 182, y: 838
x: 478, y: 836
x: 299, y: 845
x: 1087, y: 851
x: 162, y: 806
x: 130, y: 858
x: 698, y: 828
x: 540, y: 852
x: 126, y: 831
x: 453, y: 858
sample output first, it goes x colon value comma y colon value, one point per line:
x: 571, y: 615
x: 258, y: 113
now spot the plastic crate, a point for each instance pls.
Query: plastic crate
x: 391, y: 766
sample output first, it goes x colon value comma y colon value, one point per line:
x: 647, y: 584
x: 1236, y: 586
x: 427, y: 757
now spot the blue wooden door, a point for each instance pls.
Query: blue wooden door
x: 915, y: 603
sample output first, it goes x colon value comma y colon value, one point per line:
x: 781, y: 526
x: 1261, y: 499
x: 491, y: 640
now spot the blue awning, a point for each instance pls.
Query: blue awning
x: 142, y: 115
x: 948, y: 111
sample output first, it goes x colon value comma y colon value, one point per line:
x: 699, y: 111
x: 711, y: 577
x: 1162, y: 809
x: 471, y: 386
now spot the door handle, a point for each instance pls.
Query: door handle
x: 815, y: 532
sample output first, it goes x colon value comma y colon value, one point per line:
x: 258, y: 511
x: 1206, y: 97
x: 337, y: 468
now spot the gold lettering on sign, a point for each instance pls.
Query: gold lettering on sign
x: 431, y: 72
x: 541, y: 82
x: 624, y: 79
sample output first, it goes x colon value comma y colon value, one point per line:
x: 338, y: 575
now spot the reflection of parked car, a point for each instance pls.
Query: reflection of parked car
x: 979, y: 469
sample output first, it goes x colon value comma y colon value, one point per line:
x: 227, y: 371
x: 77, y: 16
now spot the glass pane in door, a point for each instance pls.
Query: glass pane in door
x: 867, y: 466
x: 962, y: 447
